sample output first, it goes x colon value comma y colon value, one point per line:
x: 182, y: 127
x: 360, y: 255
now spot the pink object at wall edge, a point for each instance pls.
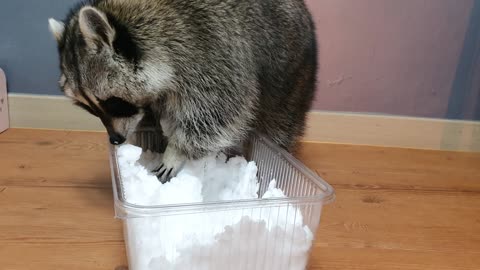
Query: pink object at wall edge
x: 4, y: 118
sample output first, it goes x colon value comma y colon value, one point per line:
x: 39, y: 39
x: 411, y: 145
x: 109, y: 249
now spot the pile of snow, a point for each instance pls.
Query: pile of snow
x: 263, y: 237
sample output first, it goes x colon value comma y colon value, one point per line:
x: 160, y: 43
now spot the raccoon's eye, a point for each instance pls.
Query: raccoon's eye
x: 117, y: 107
x: 86, y: 108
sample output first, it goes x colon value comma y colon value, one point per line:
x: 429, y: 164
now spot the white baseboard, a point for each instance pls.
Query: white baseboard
x: 394, y: 131
x: 49, y: 112
x: 55, y: 112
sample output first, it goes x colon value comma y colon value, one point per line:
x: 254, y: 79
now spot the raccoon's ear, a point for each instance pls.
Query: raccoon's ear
x: 95, y: 28
x: 56, y: 28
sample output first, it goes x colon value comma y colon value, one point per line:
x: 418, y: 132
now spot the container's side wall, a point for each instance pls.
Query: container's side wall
x: 244, y: 238
x: 273, y: 166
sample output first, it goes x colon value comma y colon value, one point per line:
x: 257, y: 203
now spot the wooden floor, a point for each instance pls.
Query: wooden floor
x: 395, y: 208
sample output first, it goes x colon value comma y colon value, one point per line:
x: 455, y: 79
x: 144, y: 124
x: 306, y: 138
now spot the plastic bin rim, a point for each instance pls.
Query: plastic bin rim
x: 327, y: 196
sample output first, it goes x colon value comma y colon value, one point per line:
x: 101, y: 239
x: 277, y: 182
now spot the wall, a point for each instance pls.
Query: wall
x: 28, y: 53
x: 389, y: 56
x: 464, y: 101
x: 382, y: 56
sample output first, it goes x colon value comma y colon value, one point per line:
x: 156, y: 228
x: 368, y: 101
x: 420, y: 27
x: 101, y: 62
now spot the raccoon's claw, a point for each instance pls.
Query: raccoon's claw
x: 164, y: 174
x: 158, y: 169
x: 160, y: 172
x: 172, y: 163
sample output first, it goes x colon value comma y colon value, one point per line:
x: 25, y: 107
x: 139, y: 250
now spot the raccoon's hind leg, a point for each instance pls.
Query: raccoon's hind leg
x: 283, y: 116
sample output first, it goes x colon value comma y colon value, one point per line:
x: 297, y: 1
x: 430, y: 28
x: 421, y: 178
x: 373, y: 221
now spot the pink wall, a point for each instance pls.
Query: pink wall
x: 388, y: 56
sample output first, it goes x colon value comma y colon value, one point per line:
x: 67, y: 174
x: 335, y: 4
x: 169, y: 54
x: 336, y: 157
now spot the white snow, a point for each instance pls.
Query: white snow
x: 259, y: 237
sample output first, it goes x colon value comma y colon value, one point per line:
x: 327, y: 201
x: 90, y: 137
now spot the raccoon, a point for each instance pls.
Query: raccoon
x: 210, y: 73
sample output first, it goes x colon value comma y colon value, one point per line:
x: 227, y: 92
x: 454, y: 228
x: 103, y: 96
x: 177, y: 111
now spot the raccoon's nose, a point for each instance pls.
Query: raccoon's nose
x: 117, y: 139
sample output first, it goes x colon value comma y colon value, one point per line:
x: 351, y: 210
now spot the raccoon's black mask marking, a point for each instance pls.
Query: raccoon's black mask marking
x: 113, y: 107
x: 117, y: 107
x: 86, y: 108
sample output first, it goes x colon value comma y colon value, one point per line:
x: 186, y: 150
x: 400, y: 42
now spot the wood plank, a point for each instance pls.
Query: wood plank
x: 68, y: 256
x: 383, y: 168
x: 54, y: 158
x: 395, y: 208
x: 57, y: 215
x: 59, y: 228
x: 385, y: 259
x: 338, y: 164
x: 423, y: 223
x: 402, y: 220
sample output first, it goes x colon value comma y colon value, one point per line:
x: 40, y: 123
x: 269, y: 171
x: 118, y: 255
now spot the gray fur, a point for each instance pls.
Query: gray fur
x: 211, y: 72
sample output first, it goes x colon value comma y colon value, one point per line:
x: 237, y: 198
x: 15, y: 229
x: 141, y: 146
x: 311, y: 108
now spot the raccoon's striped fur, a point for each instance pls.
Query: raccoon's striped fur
x: 209, y: 71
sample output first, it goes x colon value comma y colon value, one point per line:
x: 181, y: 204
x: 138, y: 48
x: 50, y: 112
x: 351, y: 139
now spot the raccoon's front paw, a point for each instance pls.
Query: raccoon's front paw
x: 171, y: 164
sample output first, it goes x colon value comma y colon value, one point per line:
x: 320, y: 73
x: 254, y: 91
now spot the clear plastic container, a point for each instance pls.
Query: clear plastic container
x: 276, y: 233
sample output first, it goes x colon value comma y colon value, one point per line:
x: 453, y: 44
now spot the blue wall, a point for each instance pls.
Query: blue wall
x: 464, y: 88
x: 28, y: 52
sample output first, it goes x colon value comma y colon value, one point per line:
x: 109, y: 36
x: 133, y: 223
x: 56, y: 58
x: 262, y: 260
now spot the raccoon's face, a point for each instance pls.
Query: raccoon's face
x: 119, y: 116
x: 99, y: 71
